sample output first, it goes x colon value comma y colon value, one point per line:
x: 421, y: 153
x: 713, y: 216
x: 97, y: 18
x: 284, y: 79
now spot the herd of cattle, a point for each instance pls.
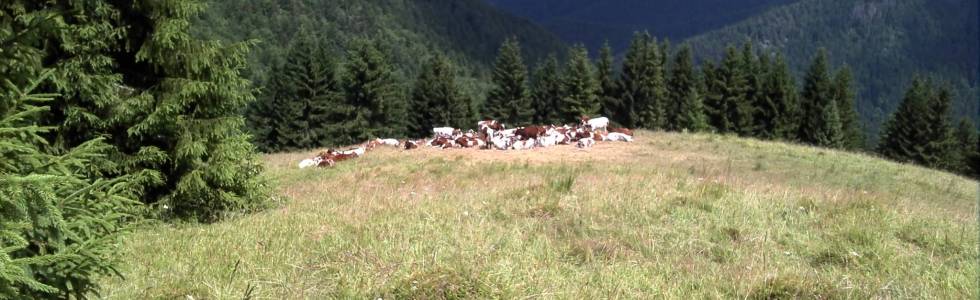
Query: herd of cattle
x: 490, y: 135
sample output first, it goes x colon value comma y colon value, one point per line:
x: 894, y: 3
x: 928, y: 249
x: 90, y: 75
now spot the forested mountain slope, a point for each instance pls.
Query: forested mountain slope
x: 469, y: 31
x: 594, y: 21
x: 885, y: 42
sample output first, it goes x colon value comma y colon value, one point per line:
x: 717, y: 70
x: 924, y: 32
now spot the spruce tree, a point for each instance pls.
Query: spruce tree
x: 168, y: 104
x: 755, y: 70
x: 302, y: 107
x: 632, y: 83
x: 437, y: 100
x: 579, y: 87
x: 939, y: 149
x: 651, y: 112
x: 683, y: 80
x: 817, y: 94
x: 728, y: 109
x: 509, y: 99
x: 547, y: 92
x: 370, y: 92
x: 607, y: 83
x: 833, y: 134
x: 850, y: 121
x: 907, y: 132
x: 781, y: 111
x: 690, y: 115
x: 61, y: 224
x: 965, y: 148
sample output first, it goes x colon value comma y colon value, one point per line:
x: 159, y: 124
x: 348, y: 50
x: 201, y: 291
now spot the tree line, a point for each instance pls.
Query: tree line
x: 747, y: 92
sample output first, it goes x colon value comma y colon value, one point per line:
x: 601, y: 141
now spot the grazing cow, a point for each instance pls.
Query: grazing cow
x: 595, y: 124
x: 586, y: 143
x: 622, y: 130
x: 616, y: 136
x: 446, y: 132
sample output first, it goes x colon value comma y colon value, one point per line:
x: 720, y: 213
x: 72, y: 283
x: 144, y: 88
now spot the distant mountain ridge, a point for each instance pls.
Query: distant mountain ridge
x: 593, y: 21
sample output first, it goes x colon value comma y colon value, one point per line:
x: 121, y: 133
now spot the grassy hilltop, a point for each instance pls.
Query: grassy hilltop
x: 669, y: 215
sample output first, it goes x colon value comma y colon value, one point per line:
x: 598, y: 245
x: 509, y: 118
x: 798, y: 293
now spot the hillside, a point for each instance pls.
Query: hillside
x: 592, y: 22
x: 670, y: 215
x: 885, y: 42
x: 469, y: 31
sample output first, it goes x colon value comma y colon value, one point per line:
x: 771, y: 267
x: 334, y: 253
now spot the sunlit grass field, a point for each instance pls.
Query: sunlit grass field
x: 669, y: 216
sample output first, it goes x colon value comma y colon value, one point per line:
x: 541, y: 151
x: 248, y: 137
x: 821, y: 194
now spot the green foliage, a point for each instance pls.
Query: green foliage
x: 850, y: 121
x: 168, y: 104
x: 690, y: 115
x: 683, y: 82
x: 832, y: 134
x: 509, y: 99
x: 779, y: 112
x: 579, y: 87
x: 467, y: 31
x: 885, y: 43
x: 608, y: 90
x: 632, y: 82
x: 371, y: 93
x: 817, y: 95
x: 547, y: 90
x: 919, y: 132
x: 60, y: 223
x: 437, y: 100
x: 302, y: 106
x: 643, y: 85
x: 728, y: 109
x: 965, y: 149
x: 652, y: 111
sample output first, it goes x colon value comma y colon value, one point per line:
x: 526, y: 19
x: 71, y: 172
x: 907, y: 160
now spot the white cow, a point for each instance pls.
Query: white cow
x: 549, y: 140
x: 359, y: 151
x: 586, y: 143
x: 500, y: 143
x: 389, y: 142
x: 524, y: 145
x: 446, y: 132
x: 310, y: 162
x: 616, y: 136
x: 598, y: 123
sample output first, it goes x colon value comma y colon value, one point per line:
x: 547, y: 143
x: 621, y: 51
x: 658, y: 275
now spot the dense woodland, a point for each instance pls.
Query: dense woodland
x: 885, y: 43
x: 592, y: 22
x: 113, y: 113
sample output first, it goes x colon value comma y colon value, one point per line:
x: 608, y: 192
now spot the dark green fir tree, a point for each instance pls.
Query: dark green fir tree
x: 509, y: 100
x: 437, y: 100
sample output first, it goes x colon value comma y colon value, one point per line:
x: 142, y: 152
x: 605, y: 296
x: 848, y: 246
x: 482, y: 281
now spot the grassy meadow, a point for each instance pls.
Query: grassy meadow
x: 668, y: 216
